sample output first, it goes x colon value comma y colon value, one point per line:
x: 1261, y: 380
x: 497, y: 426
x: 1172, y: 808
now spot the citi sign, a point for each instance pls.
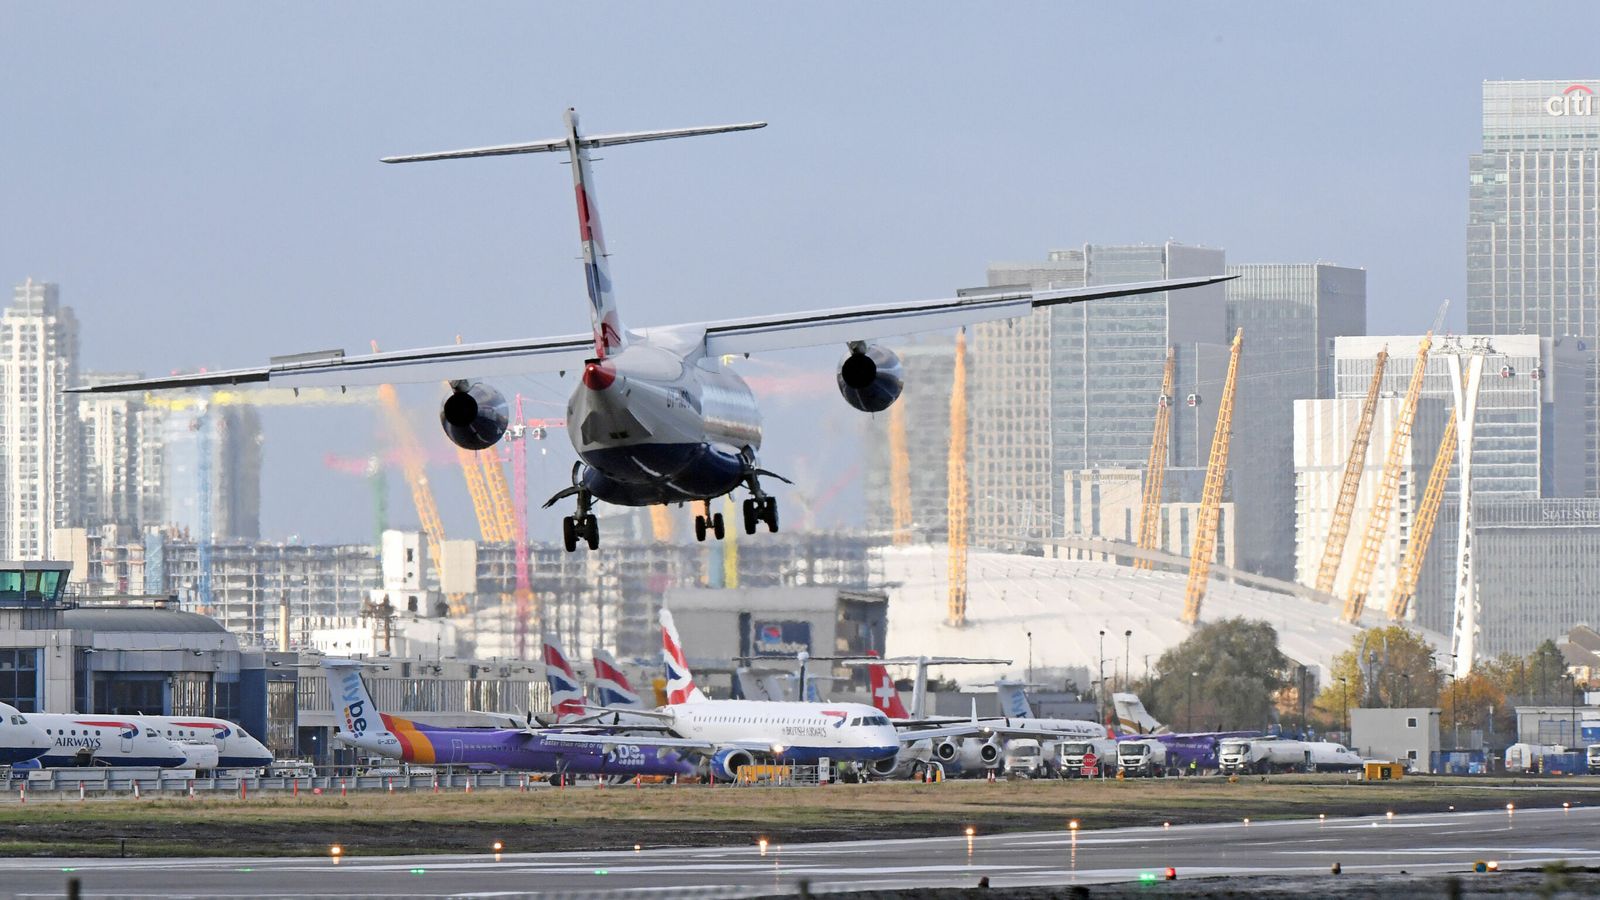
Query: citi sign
x: 1574, y: 101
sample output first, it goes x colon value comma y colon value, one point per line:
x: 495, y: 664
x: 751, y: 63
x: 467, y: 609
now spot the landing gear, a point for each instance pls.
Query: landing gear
x: 582, y: 525
x: 708, y: 521
x: 758, y: 509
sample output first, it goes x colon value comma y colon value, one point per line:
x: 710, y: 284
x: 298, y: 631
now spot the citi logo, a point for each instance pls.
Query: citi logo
x: 1576, y: 100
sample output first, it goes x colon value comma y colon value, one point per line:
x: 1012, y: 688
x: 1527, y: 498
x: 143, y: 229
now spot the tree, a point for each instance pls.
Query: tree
x: 1468, y: 702
x: 1384, y: 667
x: 1223, y: 676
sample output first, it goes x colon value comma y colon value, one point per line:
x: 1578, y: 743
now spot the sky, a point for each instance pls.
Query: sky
x: 202, y: 179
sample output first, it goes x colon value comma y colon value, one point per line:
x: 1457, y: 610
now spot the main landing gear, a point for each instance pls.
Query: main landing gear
x: 760, y: 509
x: 582, y: 525
x: 708, y: 521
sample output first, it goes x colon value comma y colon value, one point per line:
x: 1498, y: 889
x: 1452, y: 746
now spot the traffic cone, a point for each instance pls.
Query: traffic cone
x: 22, y: 794
x: 80, y: 791
x: 391, y: 785
x: 297, y: 787
x: 343, y: 790
x: 244, y: 789
x: 135, y: 789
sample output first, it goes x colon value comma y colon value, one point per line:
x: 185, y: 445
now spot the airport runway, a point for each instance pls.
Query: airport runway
x: 1445, y: 842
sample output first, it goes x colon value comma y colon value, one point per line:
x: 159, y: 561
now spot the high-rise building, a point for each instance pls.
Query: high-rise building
x: 39, y: 445
x: 1290, y: 314
x: 1533, y: 240
x: 929, y: 369
x: 121, y: 484
x: 1076, y: 387
x: 212, y: 452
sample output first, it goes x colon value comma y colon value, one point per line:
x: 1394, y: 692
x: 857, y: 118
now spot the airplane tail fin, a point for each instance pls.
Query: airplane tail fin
x: 680, y: 681
x: 566, y: 690
x: 355, y: 713
x: 609, y: 335
x: 1132, y: 717
x: 884, y: 695
x: 1013, y: 698
x: 612, y: 684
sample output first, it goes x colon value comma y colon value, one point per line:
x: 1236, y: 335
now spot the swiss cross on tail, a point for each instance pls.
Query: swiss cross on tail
x: 884, y: 696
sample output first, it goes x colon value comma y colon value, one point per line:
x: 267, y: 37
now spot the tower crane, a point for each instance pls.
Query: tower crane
x: 956, y: 500
x: 1405, y: 584
x: 1339, y: 527
x: 1205, y: 536
x: 1388, y: 488
x: 1155, y: 470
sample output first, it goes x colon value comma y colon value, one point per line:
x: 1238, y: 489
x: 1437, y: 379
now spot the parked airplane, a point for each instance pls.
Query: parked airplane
x: 1186, y: 751
x: 611, y: 683
x: 235, y: 747
x: 567, y: 701
x: 656, y: 417
x: 20, y: 739
x: 363, y: 726
x: 737, y: 733
x: 104, y: 740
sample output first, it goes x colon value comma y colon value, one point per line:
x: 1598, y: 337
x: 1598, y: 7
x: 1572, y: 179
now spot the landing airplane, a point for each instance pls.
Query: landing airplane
x: 656, y: 417
x: 362, y: 725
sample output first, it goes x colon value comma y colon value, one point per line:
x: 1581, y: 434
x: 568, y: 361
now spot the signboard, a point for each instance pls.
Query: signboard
x: 780, y: 638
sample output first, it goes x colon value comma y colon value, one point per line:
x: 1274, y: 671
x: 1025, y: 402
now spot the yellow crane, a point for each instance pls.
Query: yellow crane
x: 1205, y: 535
x: 257, y: 397
x: 1405, y: 584
x: 417, y: 480
x: 956, y: 498
x: 899, y: 475
x: 1155, y: 469
x: 478, y: 490
x: 1388, y: 488
x: 1339, y: 527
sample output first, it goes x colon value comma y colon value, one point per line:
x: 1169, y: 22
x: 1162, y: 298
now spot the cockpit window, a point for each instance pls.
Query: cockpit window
x: 18, y: 720
x: 856, y: 721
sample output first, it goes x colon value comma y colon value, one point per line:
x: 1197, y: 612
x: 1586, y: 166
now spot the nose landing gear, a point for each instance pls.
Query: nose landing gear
x: 708, y: 521
x: 582, y: 525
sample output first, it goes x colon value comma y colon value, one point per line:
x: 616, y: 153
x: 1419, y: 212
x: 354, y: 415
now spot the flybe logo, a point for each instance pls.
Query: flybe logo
x: 1576, y: 100
x: 355, y: 708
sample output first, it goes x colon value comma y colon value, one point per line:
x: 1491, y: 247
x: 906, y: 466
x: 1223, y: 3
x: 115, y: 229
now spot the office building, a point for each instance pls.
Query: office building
x: 925, y: 411
x: 211, y: 471
x: 122, y: 457
x: 39, y: 444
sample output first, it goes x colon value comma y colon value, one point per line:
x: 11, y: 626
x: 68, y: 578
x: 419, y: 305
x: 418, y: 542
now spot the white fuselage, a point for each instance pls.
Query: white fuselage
x: 236, y: 748
x: 105, y: 740
x: 653, y: 426
x: 21, y: 738
x: 789, y: 730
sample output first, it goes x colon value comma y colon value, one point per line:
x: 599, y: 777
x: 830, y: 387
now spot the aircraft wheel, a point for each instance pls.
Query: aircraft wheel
x: 716, y: 526
x: 700, y: 528
x: 569, y: 533
x: 591, y: 531
x: 772, y: 514
x: 751, y: 515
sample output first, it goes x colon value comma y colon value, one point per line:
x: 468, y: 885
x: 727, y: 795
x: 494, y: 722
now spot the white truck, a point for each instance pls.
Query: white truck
x: 1142, y: 758
x: 1023, y: 757
x: 1239, y: 756
x: 1594, y: 759
x: 1070, y: 756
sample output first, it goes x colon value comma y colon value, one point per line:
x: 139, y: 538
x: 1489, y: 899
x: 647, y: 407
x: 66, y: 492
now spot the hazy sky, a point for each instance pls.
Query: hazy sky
x: 202, y: 179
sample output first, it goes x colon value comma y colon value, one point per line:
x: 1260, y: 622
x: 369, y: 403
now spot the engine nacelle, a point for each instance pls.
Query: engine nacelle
x: 885, y: 767
x: 725, y: 764
x: 870, y: 378
x: 946, y: 750
x: 474, y: 416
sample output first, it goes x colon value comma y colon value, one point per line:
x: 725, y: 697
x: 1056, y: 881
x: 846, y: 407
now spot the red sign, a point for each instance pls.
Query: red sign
x: 1089, y: 760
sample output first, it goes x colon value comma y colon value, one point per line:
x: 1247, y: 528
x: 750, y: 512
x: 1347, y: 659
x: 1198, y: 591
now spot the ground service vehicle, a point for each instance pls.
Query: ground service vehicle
x: 1070, y: 756
x: 1262, y: 755
x: 1023, y: 757
x: 1142, y: 758
x: 1594, y: 759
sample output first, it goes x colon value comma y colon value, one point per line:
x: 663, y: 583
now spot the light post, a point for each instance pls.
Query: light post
x: 1344, y: 705
x: 1099, y: 695
x: 1127, y: 657
x: 1030, y: 657
x: 1192, y: 676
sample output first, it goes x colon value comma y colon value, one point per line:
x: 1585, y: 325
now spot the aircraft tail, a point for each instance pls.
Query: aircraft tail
x: 354, y: 711
x: 1133, y: 718
x: 1013, y: 699
x: 680, y: 681
x: 566, y: 689
x: 612, y: 684
x: 884, y: 695
x: 609, y: 335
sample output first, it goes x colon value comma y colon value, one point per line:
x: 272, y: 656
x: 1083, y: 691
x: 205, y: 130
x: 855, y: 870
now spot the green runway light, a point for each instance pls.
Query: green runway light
x: 419, y: 871
x: 602, y: 872
x: 69, y: 869
x: 246, y: 869
x: 1147, y: 876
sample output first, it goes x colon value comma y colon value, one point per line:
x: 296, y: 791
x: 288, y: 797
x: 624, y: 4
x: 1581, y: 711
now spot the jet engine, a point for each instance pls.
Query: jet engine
x: 870, y: 378
x: 727, y: 763
x: 947, y: 750
x: 885, y: 767
x: 474, y: 416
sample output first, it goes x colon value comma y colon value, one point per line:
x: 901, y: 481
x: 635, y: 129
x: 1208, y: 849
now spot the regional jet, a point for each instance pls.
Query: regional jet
x: 656, y: 417
x: 20, y: 739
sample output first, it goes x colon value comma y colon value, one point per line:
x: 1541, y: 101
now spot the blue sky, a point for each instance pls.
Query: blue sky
x: 202, y: 179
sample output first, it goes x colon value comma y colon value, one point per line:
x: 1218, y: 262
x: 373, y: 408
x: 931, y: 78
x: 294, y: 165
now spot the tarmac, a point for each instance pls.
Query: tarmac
x: 1437, y: 843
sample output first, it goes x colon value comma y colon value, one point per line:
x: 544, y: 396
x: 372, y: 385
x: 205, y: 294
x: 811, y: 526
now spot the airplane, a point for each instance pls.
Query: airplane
x: 1199, y: 747
x: 733, y: 734
x: 235, y: 747
x: 656, y: 416
x: 104, y: 740
x: 567, y: 701
x: 611, y: 683
x: 363, y: 726
x: 20, y: 739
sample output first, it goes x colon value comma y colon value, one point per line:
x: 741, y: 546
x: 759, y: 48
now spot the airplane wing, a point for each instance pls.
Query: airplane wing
x: 333, y: 368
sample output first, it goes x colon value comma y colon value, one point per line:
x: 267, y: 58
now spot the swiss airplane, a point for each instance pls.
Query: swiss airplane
x: 656, y: 417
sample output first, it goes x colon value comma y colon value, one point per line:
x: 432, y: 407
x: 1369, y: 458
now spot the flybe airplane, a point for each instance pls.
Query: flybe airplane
x: 737, y: 733
x: 363, y: 726
x: 235, y: 747
x: 655, y: 417
x: 104, y: 740
x: 20, y: 739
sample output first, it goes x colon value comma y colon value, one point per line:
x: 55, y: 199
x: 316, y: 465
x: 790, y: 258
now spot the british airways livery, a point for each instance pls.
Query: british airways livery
x: 20, y: 739
x: 656, y: 416
x: 362, y: 725
x: 104, y: 740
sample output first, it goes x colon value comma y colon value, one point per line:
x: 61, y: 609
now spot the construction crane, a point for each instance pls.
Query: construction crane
x: 1344, y: 508
x: 1205, y: 535
x: 1388, y: 488
x: 257, y: 397
x: 417, y: 480
x: 478, y: 490
x: 1405, y: 584
x: 521, y: 431
x: 1155, y: 470
x: 956, y: 499
x: 899, y: 475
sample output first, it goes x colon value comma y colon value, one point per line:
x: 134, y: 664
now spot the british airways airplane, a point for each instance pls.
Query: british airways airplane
x: 362, y: 725
x: 20, y: 739
x: 104, y: 740
x: 656, y: 418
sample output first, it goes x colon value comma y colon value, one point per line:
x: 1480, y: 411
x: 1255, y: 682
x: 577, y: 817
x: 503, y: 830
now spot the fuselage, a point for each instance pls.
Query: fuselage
x: 21, y: 738
x: 501, y: 748
x: 104, y: 740
x: 653, y: 425
x: 790, y: 731
x: 236, y: 748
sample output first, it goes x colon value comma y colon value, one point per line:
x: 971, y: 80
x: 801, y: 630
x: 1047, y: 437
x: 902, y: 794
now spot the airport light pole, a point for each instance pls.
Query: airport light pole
x: 1344, y: 705
x: 1030, y: 655
x: 1099, y: 695
x: 1127, y: 657
x: 1191, y: 700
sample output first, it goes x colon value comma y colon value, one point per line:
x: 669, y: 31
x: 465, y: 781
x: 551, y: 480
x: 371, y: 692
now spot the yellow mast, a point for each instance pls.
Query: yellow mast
x: 1205, y: 536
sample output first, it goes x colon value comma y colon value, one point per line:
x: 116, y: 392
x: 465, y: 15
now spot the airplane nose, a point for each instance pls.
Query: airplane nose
x: 597, y: 376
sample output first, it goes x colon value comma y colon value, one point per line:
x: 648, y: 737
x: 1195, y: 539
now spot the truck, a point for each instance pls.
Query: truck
x: 1594, y: 759
x: 1239, y: 756
x: 1023, y: 757
x: 1069, y: 757
x: 1142, y: 758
